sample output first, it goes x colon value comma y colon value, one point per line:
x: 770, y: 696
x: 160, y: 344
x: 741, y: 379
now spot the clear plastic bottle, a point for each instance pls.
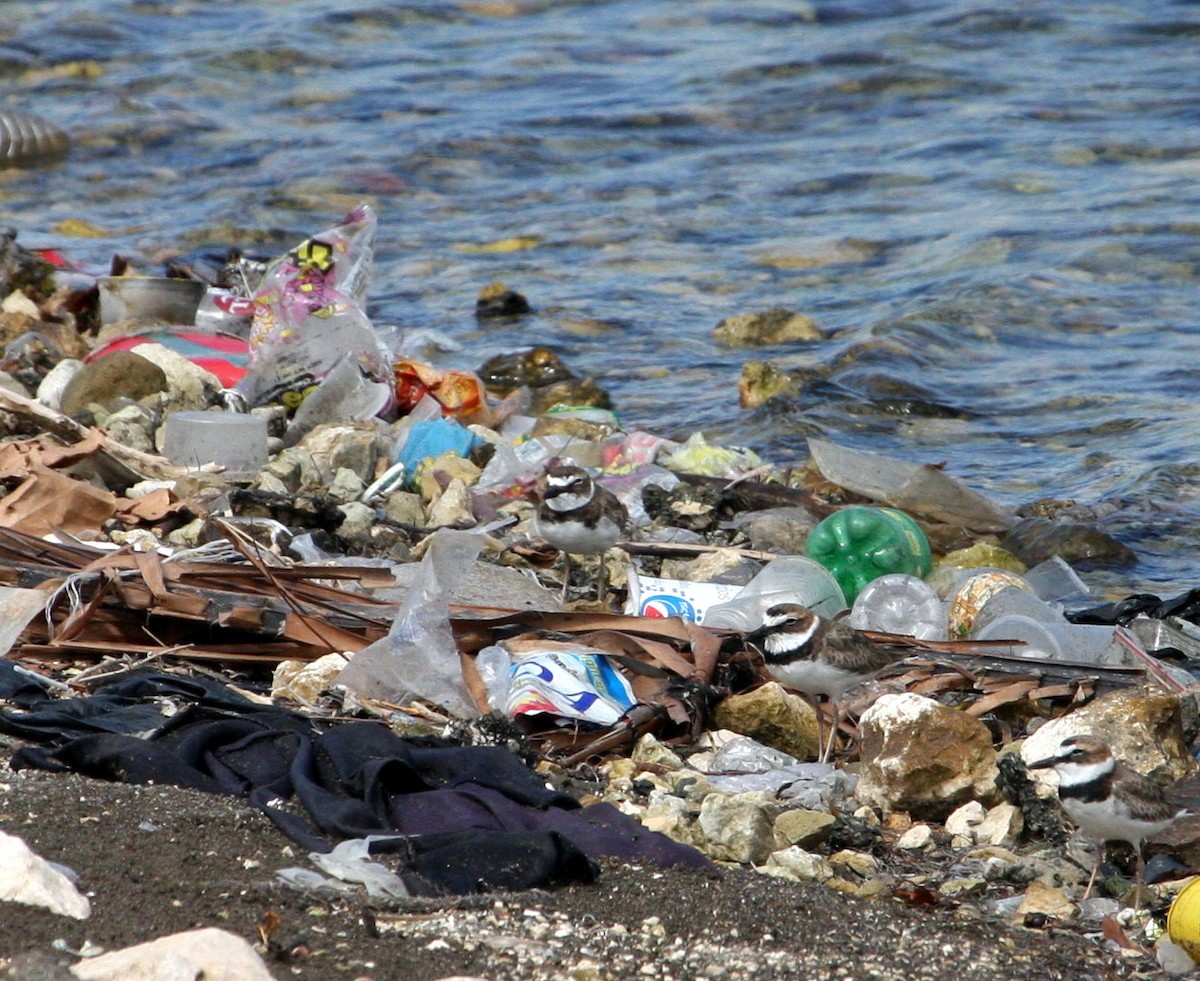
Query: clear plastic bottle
x: 900, y: 604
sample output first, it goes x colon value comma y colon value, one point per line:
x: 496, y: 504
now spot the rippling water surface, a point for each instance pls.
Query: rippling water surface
x: 991, y: 211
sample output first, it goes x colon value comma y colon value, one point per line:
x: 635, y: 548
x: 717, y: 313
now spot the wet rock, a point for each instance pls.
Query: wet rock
x: 1143, y: 729
x: 536, y: 367
x: 212, y: 954
x: 762, y: 381
x: 778, y: 326
x: 120, y: 375
x: 27, y: 878
x: 782, y: 530
x: 497, y: 300
x: 1034, y: 540
x: 576, y: 392
x: 586, y: 430
x: 920, y: 756
x: 737, y: 828
x: 803, y: 827
x: 983, y: 555
x: 774, y: 716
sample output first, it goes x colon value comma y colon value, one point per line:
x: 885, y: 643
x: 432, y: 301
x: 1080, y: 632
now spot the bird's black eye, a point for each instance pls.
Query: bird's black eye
x: 1076, y: 754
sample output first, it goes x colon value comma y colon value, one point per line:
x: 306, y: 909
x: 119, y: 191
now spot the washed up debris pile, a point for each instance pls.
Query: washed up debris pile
x: 266, y: 508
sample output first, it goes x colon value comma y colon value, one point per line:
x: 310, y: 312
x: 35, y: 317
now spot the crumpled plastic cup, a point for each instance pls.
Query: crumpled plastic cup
x: 787, y: 579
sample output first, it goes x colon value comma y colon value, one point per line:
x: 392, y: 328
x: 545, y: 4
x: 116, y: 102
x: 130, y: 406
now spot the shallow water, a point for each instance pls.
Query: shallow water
x: 990, y: 210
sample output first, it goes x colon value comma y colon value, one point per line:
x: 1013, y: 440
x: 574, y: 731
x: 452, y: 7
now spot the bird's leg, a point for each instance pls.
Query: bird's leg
x: 1141, y: 875
x: 1095, y: 869
x: 833, y: 728
x: 601, y: 579
x: 566, y: 575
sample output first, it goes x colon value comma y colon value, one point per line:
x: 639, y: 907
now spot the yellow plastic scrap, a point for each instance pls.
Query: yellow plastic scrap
x: 698, y: 457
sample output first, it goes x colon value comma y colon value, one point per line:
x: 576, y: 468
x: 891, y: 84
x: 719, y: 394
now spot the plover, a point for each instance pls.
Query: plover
x: 1108, y: 800
x: 818, y: 656
x: 579, y: 517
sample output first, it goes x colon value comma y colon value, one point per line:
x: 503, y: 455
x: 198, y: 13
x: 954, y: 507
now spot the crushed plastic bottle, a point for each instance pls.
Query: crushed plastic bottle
x: 900, y: 604
x: 860, y: 544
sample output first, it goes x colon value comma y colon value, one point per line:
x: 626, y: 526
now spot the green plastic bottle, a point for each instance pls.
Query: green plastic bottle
x: 860, y: 544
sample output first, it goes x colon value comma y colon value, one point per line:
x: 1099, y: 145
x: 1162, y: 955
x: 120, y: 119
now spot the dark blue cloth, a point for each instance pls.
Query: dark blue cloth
x: 463, y: 819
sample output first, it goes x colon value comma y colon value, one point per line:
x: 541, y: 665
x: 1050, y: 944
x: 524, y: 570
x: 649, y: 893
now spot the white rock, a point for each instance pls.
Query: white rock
x: 50, y: 391
x: 736, y: 828
x: 1001, y: 826
x: 918, y: 836
x: 211, y: 954
x: 26, y: 877
x: 1172, y: 958
x: 923, y: 757
x: 961, y: 824
x: 805, y: 866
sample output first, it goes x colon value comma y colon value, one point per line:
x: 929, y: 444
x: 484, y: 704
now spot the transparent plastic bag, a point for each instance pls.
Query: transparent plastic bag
x: 419, y: 658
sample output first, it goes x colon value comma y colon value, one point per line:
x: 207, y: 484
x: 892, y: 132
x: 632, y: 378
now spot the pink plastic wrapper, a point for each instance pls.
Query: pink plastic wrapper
x: 309, y: 318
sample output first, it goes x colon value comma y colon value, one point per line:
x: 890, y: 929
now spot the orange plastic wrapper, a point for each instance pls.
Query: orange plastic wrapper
x: 460, y: 393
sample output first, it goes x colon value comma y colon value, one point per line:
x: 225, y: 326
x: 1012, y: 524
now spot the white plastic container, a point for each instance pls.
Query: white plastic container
x: 235, y: 441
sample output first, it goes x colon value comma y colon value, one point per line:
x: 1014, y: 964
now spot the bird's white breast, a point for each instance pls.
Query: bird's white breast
x: 814, y: 677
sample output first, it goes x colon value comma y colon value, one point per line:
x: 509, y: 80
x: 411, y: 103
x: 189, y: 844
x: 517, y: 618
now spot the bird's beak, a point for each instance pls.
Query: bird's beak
x: 1040, y: 764
x: 754, y: 636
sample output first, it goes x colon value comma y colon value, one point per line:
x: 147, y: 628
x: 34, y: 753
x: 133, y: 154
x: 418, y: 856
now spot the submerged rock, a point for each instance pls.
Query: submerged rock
x: 1034, y: 540
x: 778, y: 326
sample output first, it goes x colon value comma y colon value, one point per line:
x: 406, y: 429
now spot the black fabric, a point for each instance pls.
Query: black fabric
x: 469, y: 818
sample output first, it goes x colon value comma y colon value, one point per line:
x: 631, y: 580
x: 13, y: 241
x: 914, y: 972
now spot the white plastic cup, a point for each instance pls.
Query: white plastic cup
x: 1015, y: 602
x: 1055, y: 580
x: 900, y: 604
x: 236, y: 441
x: 1057, y: 641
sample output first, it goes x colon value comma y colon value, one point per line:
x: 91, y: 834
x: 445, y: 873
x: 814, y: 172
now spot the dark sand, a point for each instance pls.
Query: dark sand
x: 155, y: 860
